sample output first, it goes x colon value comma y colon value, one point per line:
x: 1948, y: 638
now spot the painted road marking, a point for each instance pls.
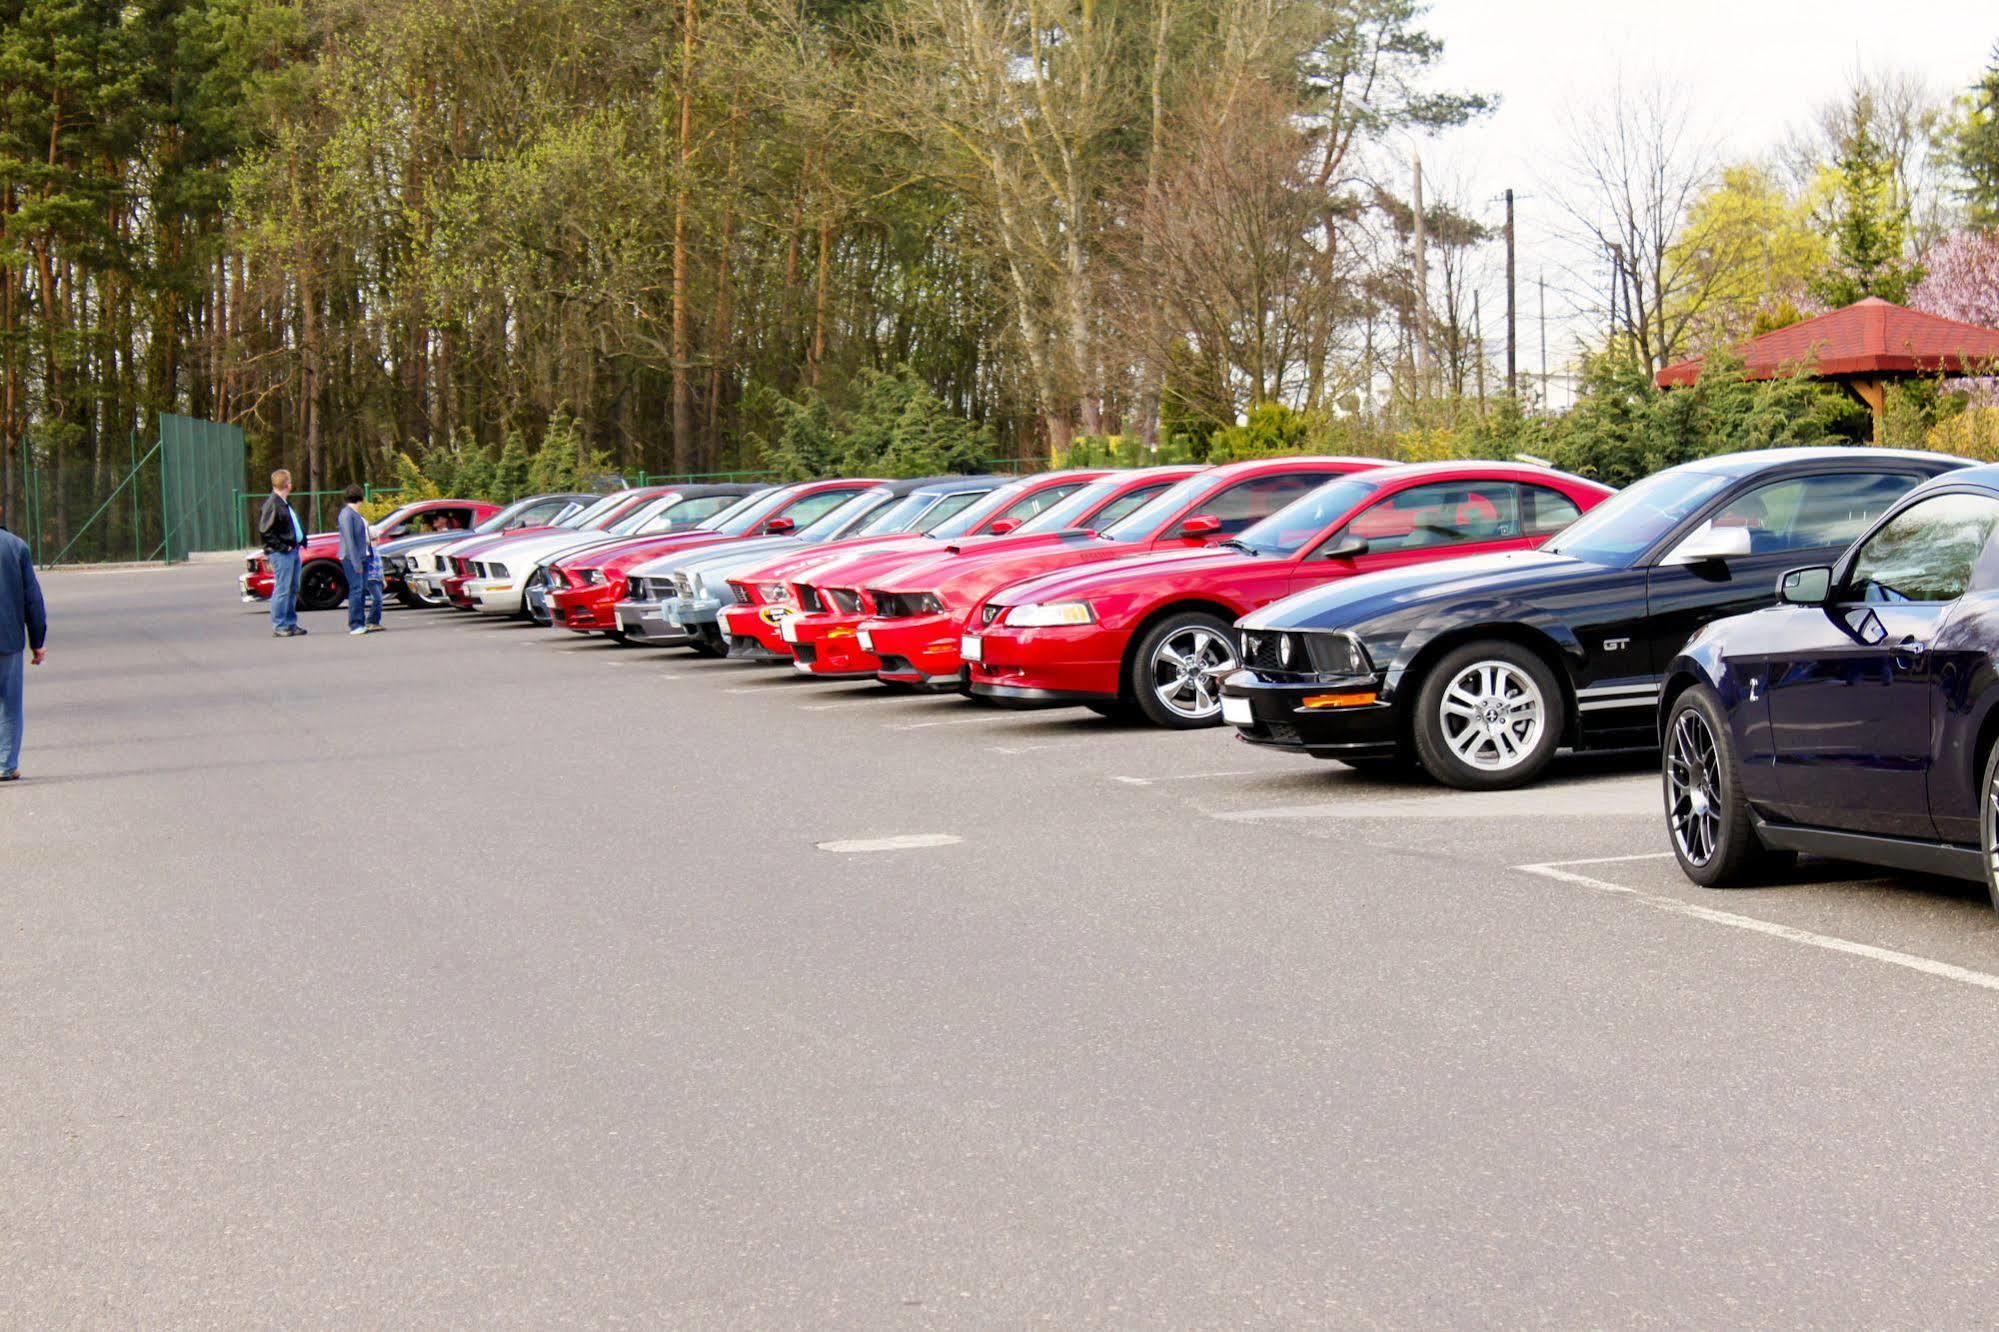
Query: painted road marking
x: 1632, y: 799
x: 1561, y: 872
x: 1186, y: 777
x: 832, y: 707
x: 924, y: 726
x: 906, y: 842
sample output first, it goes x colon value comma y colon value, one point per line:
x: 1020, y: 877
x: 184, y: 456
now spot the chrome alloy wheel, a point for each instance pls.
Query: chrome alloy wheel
x: 1493, y: 715
x: 1187, y: 670
x: 1693, y: 788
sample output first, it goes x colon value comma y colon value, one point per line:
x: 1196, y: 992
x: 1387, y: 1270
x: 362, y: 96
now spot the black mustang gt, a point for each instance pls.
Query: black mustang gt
x: 1481, y: 668
x: 1856, y: 718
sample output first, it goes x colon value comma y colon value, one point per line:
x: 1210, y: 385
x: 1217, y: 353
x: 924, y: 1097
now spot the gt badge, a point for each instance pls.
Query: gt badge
x: 1616, y: 644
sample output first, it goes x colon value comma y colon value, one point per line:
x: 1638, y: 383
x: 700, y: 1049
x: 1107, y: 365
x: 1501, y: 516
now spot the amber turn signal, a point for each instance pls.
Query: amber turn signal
x: 1338, y: 700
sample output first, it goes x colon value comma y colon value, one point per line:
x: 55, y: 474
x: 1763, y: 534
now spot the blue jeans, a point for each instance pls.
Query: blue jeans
x: 364, y: 585
x: 12, y: 717
x: 284, y: 596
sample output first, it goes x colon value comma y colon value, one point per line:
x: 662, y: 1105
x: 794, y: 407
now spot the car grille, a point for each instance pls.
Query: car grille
x: 742, y: 594
x: 253, y: 562
x: 844, y: 599
x: 636, y: 590
x: 683, y: 587
x: 987, y: 614
x: 805, y: 652
x: 463, y: 568
x: 808, y: 599
x: 893, y: 605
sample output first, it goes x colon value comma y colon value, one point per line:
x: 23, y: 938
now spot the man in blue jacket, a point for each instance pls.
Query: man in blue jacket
x: 363, y: 565
x: 24, y: 630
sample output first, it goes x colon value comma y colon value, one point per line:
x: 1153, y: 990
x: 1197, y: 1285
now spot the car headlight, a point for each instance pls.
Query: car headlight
x: 777, y: 594
x: 1043, y: 615
x: 925, y: 603
x: 1336, y: 656
x: 593, y: 576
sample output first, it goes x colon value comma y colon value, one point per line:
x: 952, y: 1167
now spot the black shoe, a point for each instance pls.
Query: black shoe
x: 11, y: 775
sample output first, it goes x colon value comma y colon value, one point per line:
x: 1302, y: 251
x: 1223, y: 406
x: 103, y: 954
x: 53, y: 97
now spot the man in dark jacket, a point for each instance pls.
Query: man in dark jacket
x: 363, y: 565
x: 282, y: 534
x: 24, y: 630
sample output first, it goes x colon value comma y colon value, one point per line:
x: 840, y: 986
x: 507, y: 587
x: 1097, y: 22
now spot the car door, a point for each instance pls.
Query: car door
x: 1775, y: 526
x: 1853, y: 689
x: 1420, y: 523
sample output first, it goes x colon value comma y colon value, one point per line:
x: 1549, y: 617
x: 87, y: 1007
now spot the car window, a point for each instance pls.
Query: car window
x: 1926, y: 552
x: 939, y: 514
x: 1247, y: 501
x: 1445, y: 513
x: 1030, y: 505
x: 1287, y: 530
x: 986, y: 506
x: 816, y: 506
x: 679, y: 517
x: 1809, y: 512
x: 1544, y: 512
x: 1638, y: 517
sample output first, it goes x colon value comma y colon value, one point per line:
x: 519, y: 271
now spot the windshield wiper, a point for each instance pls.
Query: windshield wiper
x: 1243, y: 546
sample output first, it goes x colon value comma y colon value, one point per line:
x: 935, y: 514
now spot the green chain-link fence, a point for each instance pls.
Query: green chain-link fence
x: 153, y: 499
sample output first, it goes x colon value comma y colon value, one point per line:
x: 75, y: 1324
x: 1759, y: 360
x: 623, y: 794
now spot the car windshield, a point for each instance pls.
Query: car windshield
x: 1145, y: 522
x: 1632, y: 521
x: 588, y: 517
x: 644, y: 514
x: 394, y: 520
x: 1068, y: 511
x: 844, y: 516
x: 500, y: 521
x: 1287, y: 531
x: 980, y: 510
x: 901, y: 515
x: 748, y: 511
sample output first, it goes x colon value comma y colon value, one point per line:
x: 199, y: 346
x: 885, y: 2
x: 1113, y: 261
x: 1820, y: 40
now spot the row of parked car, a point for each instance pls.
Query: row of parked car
x: 1810, y: 631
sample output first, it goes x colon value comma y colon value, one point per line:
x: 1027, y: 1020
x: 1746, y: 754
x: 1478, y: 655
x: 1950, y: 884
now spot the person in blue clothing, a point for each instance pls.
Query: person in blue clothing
x: 282, y: 534
x: 24, y: 634
x: 363, y: 566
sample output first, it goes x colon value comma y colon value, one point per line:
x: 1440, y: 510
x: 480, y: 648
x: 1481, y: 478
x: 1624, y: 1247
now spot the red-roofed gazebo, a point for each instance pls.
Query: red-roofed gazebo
x: 1864, y: 346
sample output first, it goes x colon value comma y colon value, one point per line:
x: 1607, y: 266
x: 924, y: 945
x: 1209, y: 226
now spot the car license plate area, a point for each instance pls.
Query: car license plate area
x: 1236, y: 711
x: 787, y: 630
x: 865, y: 639
x: 972, y: 648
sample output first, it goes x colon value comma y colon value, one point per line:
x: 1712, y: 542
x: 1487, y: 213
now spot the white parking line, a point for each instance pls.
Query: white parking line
x: 1626, y: 799
x: 1184, y: 777
x: 1052, y: 744
x: 833, y: 707
x: 905, y: 842
x: 1561, y: 872
x: 924, y: 726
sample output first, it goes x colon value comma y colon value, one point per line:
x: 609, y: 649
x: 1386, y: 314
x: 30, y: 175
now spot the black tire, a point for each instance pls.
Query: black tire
x: 619, y: 636
x: 1498, y: 733
x: 1988, y: 825
x: 410, y: 599
x: 322, y: 586
x: 1174, y: 676
x: 708, y: 642
x: 535, y: 579
x: 1707, y: 816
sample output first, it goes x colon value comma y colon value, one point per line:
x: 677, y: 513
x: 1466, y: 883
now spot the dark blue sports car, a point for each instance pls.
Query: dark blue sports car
x: 1857, y: 717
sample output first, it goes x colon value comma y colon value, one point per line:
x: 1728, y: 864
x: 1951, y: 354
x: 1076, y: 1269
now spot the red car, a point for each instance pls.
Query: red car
x: 584, y: 590
x: 920, y: 610
x: 947, y: 506
x: 322, y: 583
x: 1153, y: 637
x: 821, y: 634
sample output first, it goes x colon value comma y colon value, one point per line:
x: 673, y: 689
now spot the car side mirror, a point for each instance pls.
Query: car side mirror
x: 1809, y: 586
x: 1003, y: 526
x: 1709, y: 543
x: 1201, y: 525
x: 779, y: 526
x: 1344, y: 548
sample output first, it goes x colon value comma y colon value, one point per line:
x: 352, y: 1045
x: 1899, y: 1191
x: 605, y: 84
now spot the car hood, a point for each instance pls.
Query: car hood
x: 421, y: 541
x: 517, y: 552
x: 1178, y: 567
x: 624, y: 551
x: 1443, y: 587
x: 720, y: 560
x: 862, y: 568
x: 966, y: 576
x: 788, y: 568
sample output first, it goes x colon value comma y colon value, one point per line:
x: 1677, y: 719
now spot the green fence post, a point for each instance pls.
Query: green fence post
x: 132, y: 460
x: 166, y: 506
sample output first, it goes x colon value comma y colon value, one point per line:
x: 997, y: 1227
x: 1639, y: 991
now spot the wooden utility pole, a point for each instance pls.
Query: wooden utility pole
x: 1512, y: 385
x: 1422, y: 283
x: 1478, y: 351
x: 1544, y: 341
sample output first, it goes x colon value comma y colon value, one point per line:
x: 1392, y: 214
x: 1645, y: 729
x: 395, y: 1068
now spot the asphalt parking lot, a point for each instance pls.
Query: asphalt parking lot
x: 474, y: 974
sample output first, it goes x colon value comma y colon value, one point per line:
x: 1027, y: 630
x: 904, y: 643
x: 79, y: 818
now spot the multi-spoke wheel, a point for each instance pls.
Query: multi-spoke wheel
x: 1707, y: 815
x: 1988, y: 826
x: 534, y: 599
x: 1176, y: 673
x: 1488, y: 715
x: 322, y: 585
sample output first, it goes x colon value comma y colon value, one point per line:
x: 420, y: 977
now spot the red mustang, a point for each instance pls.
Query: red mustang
x: 921, y: 610
x: 821, y: 633
x: 1152, y: 637
x: 584, y: 589
x: 322, y: 583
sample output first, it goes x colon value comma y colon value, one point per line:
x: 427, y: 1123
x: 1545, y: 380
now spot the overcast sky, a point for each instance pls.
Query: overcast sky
x: 1753, y: 67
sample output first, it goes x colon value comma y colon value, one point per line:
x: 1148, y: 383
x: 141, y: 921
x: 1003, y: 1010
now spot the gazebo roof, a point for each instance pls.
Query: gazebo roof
x: 1868, y: 339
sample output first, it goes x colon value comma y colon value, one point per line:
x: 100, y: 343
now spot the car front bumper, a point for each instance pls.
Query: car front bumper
x: 494, y: 596
x: 826, y: 645
x: 753, y: 633
x: 1067, y: 664
x: 916, y: 649
x: 586, y: 610
x: 641, y: 623
x: 1277, y: 713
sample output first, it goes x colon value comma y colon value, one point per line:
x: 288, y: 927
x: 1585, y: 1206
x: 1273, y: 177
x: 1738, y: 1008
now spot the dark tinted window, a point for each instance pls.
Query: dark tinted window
x: 1449, y: 513
x: 816, y: 506
x: 1545, y: 511
x: 942, y: 510
x: 1246, y: 501
x: 1125, y: 504
x: 1926, y: 552
x: 1809, y: 512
